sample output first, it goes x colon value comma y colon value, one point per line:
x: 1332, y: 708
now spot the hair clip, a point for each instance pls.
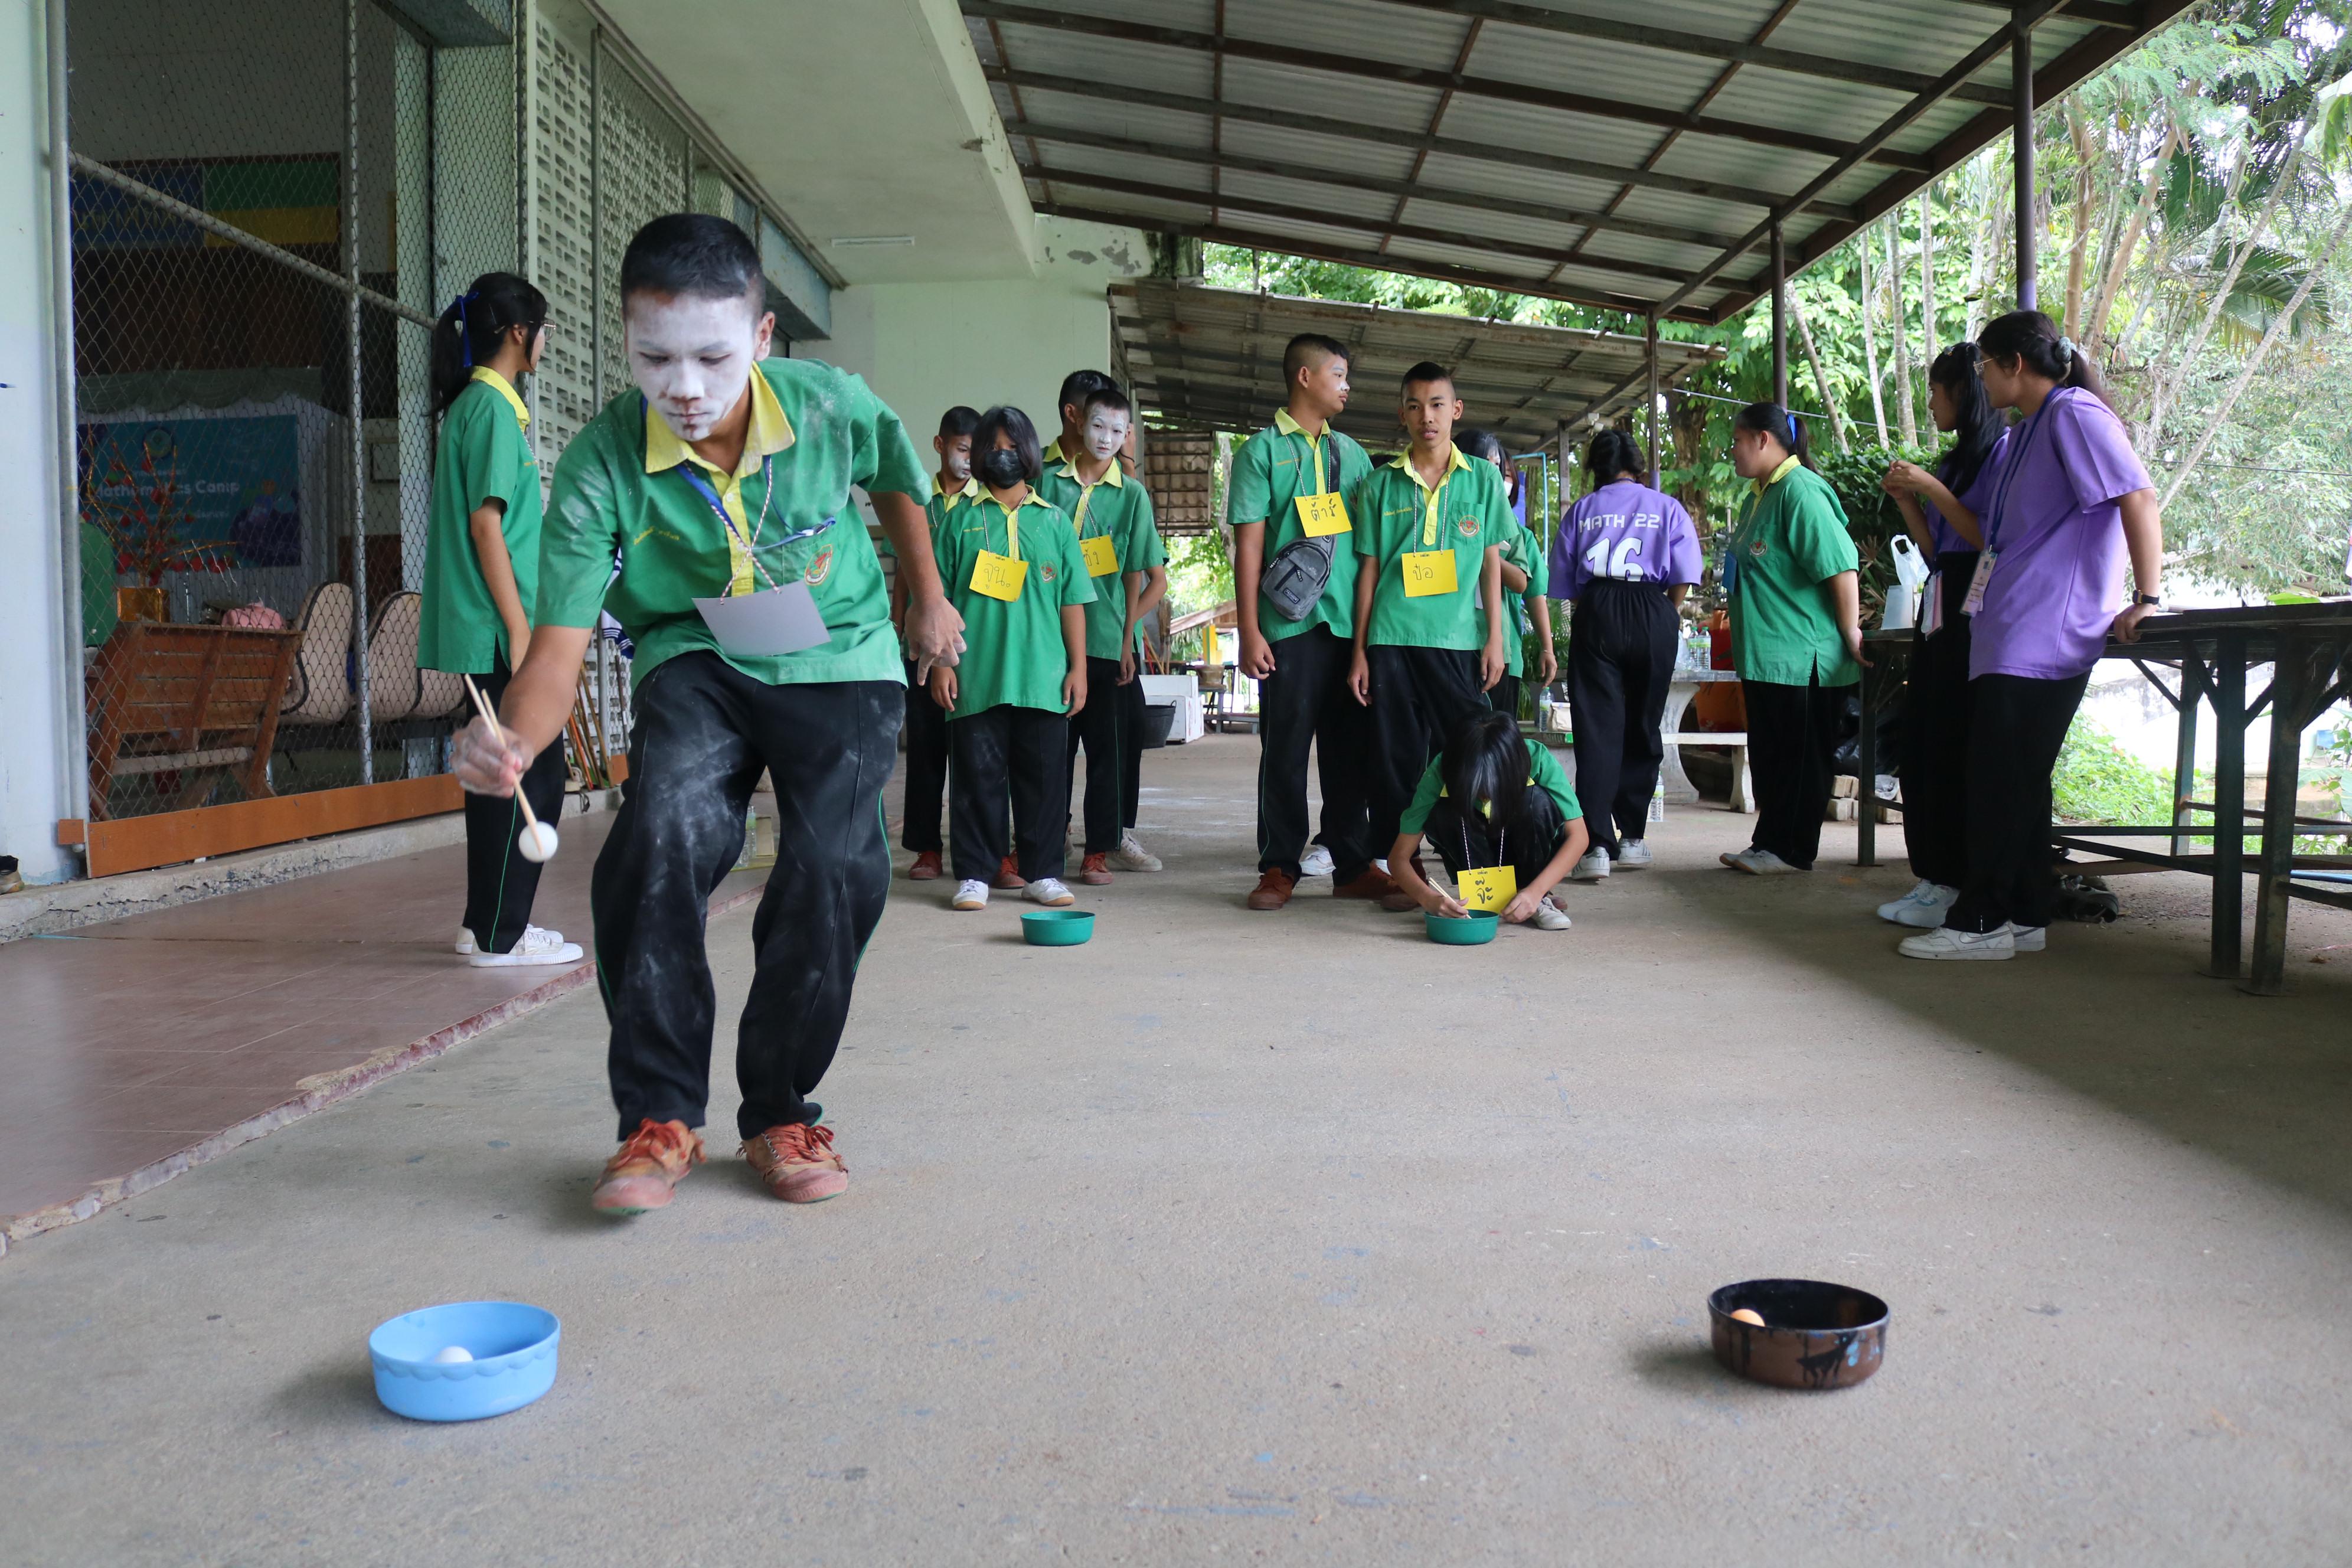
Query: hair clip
x: 2065, y: 348
x: 1789, y: 414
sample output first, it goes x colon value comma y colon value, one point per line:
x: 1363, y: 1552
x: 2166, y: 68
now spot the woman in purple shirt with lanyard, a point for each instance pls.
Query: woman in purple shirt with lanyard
x: 1626, y: 556
x: 2070, y: 501
x: 1942, y: 508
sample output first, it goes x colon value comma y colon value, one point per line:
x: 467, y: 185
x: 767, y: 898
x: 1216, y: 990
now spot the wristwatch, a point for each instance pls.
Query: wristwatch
x: 2154, y: 601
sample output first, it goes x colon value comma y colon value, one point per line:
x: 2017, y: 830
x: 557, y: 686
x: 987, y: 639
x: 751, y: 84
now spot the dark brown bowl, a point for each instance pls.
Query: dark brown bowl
x: 1815, y: 1334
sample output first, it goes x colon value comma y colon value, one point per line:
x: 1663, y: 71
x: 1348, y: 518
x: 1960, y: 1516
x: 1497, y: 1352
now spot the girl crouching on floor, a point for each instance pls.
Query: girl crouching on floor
x: 1498, y: 807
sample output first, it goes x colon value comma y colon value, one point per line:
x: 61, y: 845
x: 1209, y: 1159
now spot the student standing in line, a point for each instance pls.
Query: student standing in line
x: 1526, y: 579
x: 2070, y: 501
x: 720, y: 471
x: 1129, y: 566
x: 1493, y: 798
x: 927, y: 722
x: 1793, y: 579
x: 1295, y: 596
x: 481, y: 582
x: 1941, y: 509
x: 1014, y: 570
x: 1626, y: 557
x: 1430, y: 530
x: 1071, y: 406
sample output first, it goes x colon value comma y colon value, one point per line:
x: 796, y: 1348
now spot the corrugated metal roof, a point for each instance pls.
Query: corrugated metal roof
x: 1624, y: 153
x: 1213, y: 356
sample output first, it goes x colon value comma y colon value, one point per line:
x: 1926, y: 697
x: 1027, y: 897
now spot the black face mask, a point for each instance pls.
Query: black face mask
x: 999, y: 467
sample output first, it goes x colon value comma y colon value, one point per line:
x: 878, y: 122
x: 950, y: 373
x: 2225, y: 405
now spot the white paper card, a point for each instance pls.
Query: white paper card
x: 763, y: 625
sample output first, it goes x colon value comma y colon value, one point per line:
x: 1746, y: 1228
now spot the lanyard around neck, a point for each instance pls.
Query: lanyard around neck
x: 1012, y: 528
x: 2008, y: 475
x: 1436, y: 499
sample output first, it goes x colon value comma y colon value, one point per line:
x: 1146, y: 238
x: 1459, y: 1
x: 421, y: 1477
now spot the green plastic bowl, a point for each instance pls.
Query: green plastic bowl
x: 1057, y: 928
x: 1448, y: 932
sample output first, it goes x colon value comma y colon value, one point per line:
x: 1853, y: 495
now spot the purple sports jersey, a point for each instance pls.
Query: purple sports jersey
x: 2054, y: 521
x: 1941, y: 535
x: 1626, y: 531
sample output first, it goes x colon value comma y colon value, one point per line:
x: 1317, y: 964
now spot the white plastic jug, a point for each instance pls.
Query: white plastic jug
x: 1910, y: 576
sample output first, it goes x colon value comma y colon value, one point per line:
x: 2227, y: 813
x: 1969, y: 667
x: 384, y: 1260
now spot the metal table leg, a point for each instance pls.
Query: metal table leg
x: 2193, y: 681
x: 2228, y: 805
x: 2299, y: 686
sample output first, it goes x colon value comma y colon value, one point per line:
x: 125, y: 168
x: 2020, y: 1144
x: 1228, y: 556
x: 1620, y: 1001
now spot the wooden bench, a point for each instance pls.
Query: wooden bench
x: 196, y: 701
x: 1743, y: 787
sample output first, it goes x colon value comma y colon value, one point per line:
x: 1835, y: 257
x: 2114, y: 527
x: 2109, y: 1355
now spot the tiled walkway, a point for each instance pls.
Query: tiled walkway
x: 134, y: 1049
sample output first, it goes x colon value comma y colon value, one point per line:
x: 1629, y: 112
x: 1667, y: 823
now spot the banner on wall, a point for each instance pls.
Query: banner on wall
x: 196, y: 495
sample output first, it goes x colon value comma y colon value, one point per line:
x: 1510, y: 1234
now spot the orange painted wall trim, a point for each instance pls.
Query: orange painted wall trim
x: 168, y: 838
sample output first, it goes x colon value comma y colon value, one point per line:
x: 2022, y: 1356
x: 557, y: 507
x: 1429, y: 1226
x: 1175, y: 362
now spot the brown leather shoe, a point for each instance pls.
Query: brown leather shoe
x: 1095, y: 872
x: 798, y: 1163
x: 926, y: 867
x: 1397, y: 901
x: 1374, y: 883
x: 1273, y: 890
x: 1008, y: 877
x: 646, y: 1169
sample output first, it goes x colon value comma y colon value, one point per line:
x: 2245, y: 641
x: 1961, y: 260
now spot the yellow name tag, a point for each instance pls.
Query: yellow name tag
x: 1491, y: 889
x: 1324, y: 515
x: 998, y: 576
x: 1102, y: 555
x: 1429, y: 571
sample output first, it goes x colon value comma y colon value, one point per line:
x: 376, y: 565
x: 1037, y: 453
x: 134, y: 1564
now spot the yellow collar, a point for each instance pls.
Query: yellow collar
x: 1069, y: 470
x: 769, y: 432
x: 1052, y: 453
x: 1778, y: 474
x: 1456, y: 463
x: 969, y: 491
x: 498, y: 382
x: 1284, y: 424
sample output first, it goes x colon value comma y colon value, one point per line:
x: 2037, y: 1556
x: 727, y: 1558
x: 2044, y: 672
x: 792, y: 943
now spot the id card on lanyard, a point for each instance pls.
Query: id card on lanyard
x: 781, y: 618
x: 1000, y: 577
x: 1974, y: 603
x: 1429, y: 571
x: 1324, y: 513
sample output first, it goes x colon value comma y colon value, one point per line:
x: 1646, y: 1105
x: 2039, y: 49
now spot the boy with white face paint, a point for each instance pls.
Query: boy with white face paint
x: 723, y: 474
x: 1128, y: 564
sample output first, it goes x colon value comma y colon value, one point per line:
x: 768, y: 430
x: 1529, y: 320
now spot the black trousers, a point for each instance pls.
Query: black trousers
x: 927, y: 767
x: 501, y: 884
x: 1306, y: 703
x: 1936, y: 737
x: 1620, y: 658
x: 2017, y: 725
x: 1464, y: 839
x: 1004, y: 751
x: 1419, y: 696
x: 704, y: 731
x: 1110, y: 728
x: 1791, y: 736
x: 1505, y: 698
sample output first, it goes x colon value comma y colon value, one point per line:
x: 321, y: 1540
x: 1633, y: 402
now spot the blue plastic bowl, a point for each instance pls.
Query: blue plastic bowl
x: 1449, y: 931
x: 513, y: 1347
x: 1058, y: 928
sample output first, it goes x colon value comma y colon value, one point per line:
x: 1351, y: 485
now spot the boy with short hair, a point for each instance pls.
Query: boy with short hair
x: 1431, y: 528
x: 927, y: 722
x: 1071, y: 406
x: 1290, y: 520
x: 1129, y: 566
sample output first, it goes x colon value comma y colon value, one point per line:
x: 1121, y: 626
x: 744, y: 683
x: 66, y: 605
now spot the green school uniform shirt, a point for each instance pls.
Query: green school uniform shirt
x: 1013, y: 651
x: 1525, y: 551
x: 817, y: 430
x: 1394, y: 514
x: 1544, y: 772
x: 1791, y: 539
x: 1117, y: 509
x: 1271, y: 471
x: 481, y: 457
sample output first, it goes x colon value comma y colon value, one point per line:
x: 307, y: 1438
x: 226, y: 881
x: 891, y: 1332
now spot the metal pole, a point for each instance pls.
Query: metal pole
x: 2021, y: 138
x: 596, y: 229
x: 352, y: 355
x: 1653, y: 342
x: 73, y: 722
x: 1780, y: 317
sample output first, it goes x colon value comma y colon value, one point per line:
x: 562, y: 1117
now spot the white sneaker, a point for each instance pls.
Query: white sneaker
x: 1945, y: 943
x: 1591, y: 868
x: 970, y: 894
x: 1633, y: 853
x: 1923, y: 906
x: 1048, y: 890
x: 2029, y: 938
x: 1550, y: 916
x: 1316, y: 862
x: 537, y: 945
x: 464, y: 940
x: 1759, y: 863
x: 1131, y: 856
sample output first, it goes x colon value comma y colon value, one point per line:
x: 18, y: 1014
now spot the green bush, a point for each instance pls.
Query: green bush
x: 2098, y: 782
x: 1871, y: 514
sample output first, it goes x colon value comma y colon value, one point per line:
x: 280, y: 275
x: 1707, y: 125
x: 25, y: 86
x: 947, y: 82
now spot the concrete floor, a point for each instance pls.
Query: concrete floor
x: 1287, y: 1237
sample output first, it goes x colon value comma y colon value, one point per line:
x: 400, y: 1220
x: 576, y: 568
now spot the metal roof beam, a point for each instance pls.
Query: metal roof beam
x: 1208, y: 44
x: 2099, y: 13
x: 1408, y: 141
x: 1358, y: 317
x: 1072, y: 136
x: 1795, y: 62
x: 1472, y: 378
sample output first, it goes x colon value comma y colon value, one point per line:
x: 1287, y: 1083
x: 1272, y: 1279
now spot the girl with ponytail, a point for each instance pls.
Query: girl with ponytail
x: 481, y: 578
x: 2067, y: 501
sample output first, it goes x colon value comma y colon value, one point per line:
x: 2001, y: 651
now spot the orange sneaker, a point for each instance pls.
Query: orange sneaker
x: 1273, y: 890
x: 1095, y: 872
x: 926, y: 867
x: 647, y: 1168
x: 798, y: 1163
x: 1008, y: 877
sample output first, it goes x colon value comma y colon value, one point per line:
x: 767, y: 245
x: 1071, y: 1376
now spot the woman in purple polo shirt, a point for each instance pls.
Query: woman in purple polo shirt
x: 2070, y: 501
x: 1942, y: 508
x: 1626, y: 555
